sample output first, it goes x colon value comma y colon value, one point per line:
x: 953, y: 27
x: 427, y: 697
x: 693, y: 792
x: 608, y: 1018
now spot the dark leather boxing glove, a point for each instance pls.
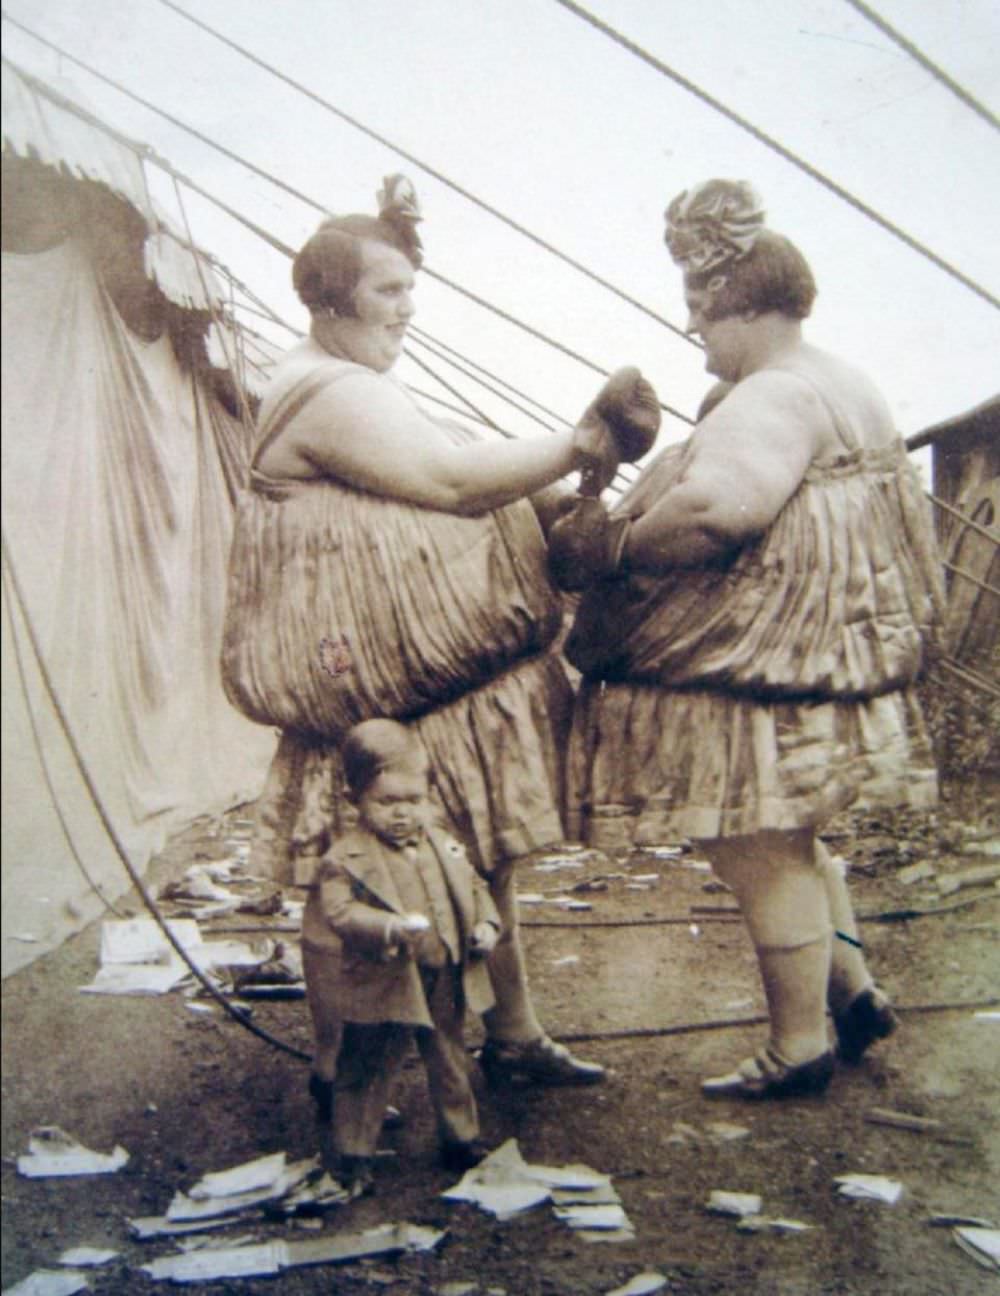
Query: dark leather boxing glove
x: 586, y: 545
x: 628, y: 404
x: 620, y: 424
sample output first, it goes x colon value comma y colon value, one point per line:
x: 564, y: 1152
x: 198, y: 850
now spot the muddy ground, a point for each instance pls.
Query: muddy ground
x: 649, y: 981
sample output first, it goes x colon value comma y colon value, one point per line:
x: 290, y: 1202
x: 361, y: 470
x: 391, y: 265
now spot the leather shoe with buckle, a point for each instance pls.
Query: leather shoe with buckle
x: 768, y: 1075
x: 540, y: 1061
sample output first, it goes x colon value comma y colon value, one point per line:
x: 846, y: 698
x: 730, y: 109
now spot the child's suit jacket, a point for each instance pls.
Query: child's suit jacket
x: 349, y: 912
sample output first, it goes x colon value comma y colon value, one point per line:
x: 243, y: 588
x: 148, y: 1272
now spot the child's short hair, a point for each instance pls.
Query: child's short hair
x: 374, y: 746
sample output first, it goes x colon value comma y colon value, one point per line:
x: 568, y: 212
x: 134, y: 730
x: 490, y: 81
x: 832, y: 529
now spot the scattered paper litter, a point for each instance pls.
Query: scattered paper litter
x: 505, y: 1185
x: 261, y: 1258
x: 251, y: 1175
x: 153, y: 1226
x: 49, y: 1282
x: 86, y: 1257
x: 141, y: 940
x: 210, y: 1202
x: 733, y: 1203
x: 643, y: 1284
x: 987, y: 1015
x: 600, y: 1216
x: 601, y: 1193
x: 530, y: 897
x: 983, y: 1244
x: 383, y: 1239
x: 52, y: 1152
x: 138, y: 959
x: 771, y: 1224
x: 219, y: 1262
x: 137, y: 978
x: 869, y: 1187
x: 566, y: 961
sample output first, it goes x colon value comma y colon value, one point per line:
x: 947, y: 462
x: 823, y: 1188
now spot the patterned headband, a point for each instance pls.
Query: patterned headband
x: 714, y: 223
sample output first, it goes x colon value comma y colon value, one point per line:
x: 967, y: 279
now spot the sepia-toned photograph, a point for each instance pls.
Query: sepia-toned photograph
x: 501, y: 647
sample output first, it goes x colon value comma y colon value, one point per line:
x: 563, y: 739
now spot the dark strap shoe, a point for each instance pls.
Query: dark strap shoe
x: 867, y: 1018
x: 768, y: 1075
x: 541, y: 1061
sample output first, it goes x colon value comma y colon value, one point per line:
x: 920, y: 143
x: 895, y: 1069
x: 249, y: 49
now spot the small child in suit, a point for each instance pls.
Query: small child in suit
x: 407, y: 922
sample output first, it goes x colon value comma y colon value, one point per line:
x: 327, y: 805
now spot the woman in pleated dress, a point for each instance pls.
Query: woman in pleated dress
x: 387, y: 564
x: 756, y: 611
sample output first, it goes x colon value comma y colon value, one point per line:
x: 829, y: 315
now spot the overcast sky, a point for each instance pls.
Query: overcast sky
x: 536, y: 113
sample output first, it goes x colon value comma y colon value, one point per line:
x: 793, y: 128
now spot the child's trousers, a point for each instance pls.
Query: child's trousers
x: 371, y: 1055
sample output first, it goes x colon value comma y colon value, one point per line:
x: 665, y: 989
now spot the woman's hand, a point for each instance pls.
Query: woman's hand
x: 586, y: 545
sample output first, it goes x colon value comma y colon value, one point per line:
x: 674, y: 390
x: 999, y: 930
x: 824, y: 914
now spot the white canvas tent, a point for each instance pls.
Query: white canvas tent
x: 120, y: 469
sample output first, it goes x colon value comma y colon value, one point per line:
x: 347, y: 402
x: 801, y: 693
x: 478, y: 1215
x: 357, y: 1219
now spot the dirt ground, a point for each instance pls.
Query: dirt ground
x: 656, y: 981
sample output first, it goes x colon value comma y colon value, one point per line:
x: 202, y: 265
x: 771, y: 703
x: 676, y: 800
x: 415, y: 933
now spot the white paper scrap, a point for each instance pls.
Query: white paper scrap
x: 733, y: 1203
x: 52, y: 1152
x: 248, y: 1177
x: 86, y: 1257
x: 982, y: 1244
x: 643, y: 1284
x: 771, y: 1224
x: 151, y: 1226
x: 185, y: 1207
x: 219, y: 1262
x: 869, y: 1187
x: 626, y: 1234
x: 137, y: 978
x: 601, y: 1194
x: 380, y: 1240
x: 49, y: 1282
x: 500, y: 1184
x: 567, y: 1176
x: 592, y: 1217
x: 141, y: 940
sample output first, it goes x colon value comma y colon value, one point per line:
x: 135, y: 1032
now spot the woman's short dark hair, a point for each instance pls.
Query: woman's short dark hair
x: 374, y: 746
x: 772, y: 276
x: 328, y: 268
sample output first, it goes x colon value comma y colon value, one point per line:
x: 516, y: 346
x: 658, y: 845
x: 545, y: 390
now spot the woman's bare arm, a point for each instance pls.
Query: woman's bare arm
x: 367, y: 433
x: 747, y: 459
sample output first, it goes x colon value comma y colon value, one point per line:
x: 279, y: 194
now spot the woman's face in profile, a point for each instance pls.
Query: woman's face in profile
x: 723, y: 338
x: 384, y: 307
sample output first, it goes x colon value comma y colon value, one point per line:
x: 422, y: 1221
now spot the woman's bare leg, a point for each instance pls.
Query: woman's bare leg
x: 785, y: 904
x: 849, y: 974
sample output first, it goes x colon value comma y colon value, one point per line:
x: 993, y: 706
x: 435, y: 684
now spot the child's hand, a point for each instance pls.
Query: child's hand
x: 483, y: 939
x: 405, y: 931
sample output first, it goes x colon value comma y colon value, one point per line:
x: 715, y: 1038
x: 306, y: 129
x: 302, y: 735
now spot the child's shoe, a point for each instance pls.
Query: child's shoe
x: 357, y: 1176
x: 462, y: 1156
